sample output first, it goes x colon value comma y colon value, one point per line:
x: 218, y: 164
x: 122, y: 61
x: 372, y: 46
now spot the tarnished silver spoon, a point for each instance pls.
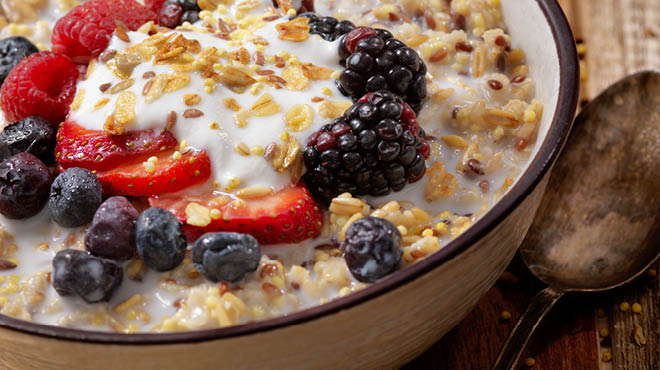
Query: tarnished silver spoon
x: 598, y: 226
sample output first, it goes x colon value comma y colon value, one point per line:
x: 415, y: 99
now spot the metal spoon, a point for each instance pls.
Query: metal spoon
x: 598, y: 226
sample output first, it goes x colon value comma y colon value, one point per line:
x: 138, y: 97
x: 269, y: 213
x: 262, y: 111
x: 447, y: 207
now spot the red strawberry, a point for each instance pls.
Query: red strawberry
x: 168, y: 175
x: 86, y: 30
x: 94, y: 150
x: 42, y: 84
x: 288, y: 216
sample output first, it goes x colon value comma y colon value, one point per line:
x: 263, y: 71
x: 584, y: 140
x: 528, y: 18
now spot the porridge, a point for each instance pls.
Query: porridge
x: 186, y: 165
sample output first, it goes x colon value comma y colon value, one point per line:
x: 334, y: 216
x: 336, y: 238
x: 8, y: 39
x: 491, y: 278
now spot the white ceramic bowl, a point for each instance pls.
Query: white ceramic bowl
x: 390, y: 322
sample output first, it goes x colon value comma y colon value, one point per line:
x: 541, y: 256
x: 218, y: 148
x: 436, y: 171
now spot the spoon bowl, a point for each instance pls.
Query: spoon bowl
x: 598, y: 225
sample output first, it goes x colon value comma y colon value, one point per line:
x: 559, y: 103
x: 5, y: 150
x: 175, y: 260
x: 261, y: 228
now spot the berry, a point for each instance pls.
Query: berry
x: 372, y: 249
x: 154, y: 5
x: 94, y: 150
x: 34, y: 135
x: 328, y: 28
x: 288, y: 216
x: 137, y: 177
x: 226, y: 256
x: 375, y: 61
x: 174, y: 12
x: 91, y: 278
x: 160, y: 242
x: 112, y: 234
x: 375, y: 148
x: 74, y: 197
x: 12, y: 51
x: 86, y: 30
x: 42, y: 84
x: 24, y: 184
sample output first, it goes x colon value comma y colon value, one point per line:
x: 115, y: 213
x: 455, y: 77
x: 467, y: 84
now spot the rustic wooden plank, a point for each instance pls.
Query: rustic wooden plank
x: 567, y: 341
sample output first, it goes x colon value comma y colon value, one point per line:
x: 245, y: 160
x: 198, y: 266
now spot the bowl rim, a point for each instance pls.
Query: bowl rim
x: 548, y: 151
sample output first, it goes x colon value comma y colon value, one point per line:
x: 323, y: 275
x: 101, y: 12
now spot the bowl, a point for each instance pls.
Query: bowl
x: 386, y: 324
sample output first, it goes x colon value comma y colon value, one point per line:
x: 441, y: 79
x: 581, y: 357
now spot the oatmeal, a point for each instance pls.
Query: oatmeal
x: 260, y: 161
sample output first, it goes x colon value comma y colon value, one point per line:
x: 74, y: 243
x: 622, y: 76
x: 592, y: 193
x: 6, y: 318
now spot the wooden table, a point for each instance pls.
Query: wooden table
x: 615, y: 38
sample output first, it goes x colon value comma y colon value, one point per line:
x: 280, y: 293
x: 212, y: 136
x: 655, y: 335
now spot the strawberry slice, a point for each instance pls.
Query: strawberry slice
x: 288, y: 216
x: 94, y: 150
x: 140, y: 177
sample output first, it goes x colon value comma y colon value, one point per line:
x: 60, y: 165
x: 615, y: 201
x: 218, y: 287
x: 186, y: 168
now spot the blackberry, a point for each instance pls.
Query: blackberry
x: 226, y: 256
x: 374, y: 61
x: 34, y: 135
x: 160, y: 241
x: 372, y: 249
x: 112, y: 234
x: 376, y: 147
x: 12, y: 51
x: 329, y: 28
x: 91, y: 278
x: 24, y: 185
x: 174, y: 12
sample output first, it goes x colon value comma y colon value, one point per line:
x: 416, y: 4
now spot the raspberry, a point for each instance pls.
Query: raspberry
x: 154, y: 5
x: 42, y: 84
x: 86, y: 30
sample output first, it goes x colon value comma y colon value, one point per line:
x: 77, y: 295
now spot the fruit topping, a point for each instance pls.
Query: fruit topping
x: 376, y: 61
x: 12, y: 51
x: 86, y: 30
x: 94, y: 150
x: 376, y: 147
x: 165, y: 172
x: 174, y: 12
x: 288, y: 216
x: 74, y: 197
x: 160, y: 241
x: 34, y: 135
x: 42, y: 84
x: 154, y: 5
x: 226, y: 256
x: 372, y: 249
x: 112, y: 234
x: 24, y: 184
x: 328, y: 28
x: 91, y: 278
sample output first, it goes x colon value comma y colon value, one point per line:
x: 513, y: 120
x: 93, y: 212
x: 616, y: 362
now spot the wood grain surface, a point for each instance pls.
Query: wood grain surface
x: 617, y: 37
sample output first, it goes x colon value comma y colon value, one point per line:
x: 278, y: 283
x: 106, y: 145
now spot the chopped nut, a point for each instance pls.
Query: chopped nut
x: 6, y: 265
x: 107, y: 55
x: 316, y: 73
x: 171, y: 120
x: 126, y: 63
x: 296, y: 30
x: 121, y: 31
x: 104, y: 87
x: 455, y: 141
x: 299, y: 118
x: 192, y: 113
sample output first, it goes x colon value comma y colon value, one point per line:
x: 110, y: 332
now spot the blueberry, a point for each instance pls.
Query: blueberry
x: 24, y: 184
x: 34, y: 135
x: 160, y: 241
x: 226, y: 256
x: 112, y: 234
x: 170, y: 15
x: 12, y: 51
x: 74, y: 197
x: 91, y: 278
x: 372, y: 249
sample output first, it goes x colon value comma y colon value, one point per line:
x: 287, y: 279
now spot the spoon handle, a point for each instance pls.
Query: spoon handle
x: 516, y: 343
